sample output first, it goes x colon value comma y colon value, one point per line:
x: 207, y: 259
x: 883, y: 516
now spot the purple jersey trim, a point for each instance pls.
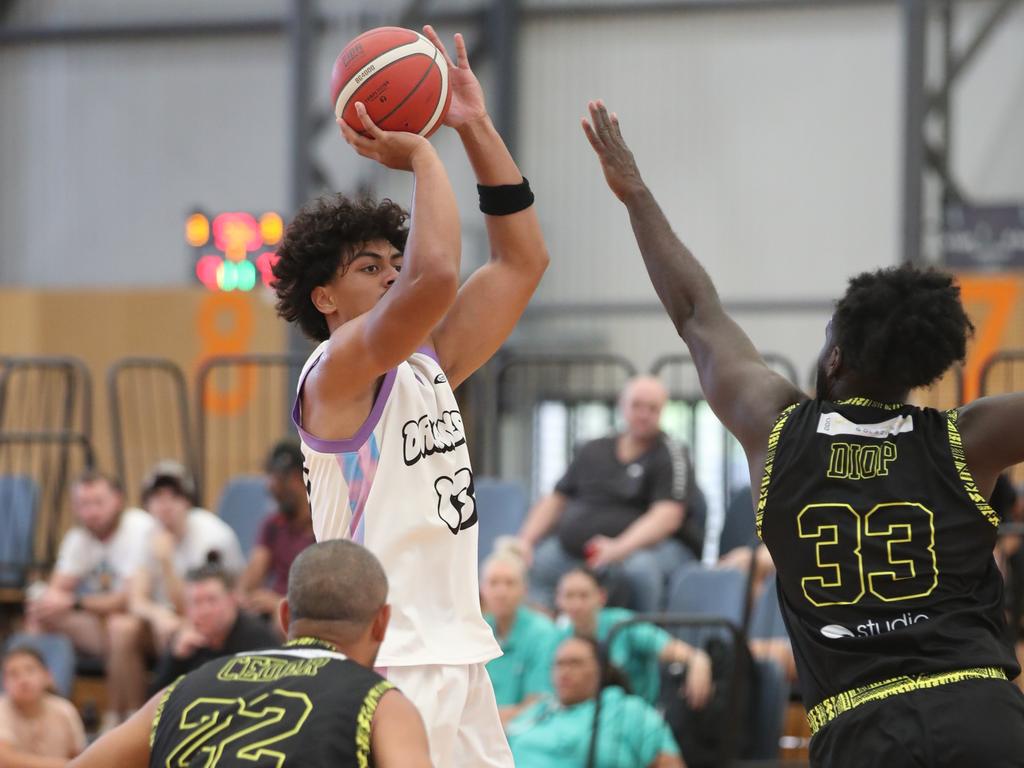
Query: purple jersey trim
x: 355, y: 442
x: 429, y: 351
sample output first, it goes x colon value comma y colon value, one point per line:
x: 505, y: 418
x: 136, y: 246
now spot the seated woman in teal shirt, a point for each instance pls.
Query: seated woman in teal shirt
x: 639, y: 649
x: 556, y: 732
x: 527, y: 638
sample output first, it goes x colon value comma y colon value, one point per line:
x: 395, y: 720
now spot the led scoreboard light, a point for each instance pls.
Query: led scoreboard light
x: 235, y: 250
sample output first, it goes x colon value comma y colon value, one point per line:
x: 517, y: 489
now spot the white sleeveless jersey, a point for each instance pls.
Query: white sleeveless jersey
x: 403, y: 487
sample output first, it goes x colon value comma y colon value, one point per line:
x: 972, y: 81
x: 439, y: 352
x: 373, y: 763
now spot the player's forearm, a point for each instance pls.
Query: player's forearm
x: 516, y: 238
x: 434, y: 246
x: 682, y: 284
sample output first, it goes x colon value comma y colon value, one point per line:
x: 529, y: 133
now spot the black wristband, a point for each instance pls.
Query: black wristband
x: 505, y: 199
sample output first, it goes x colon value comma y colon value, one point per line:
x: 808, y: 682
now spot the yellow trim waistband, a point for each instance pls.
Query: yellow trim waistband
x: 829, y: 709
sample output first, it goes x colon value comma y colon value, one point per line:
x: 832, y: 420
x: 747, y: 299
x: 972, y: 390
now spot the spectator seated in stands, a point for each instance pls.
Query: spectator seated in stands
x: 622, y: 501
x: 186, y: 538
x: 87, y: 596
x: 214, y: 627
x: 282, y: 536
x: 639, y: 649
x: 555, y: 732
x: 520, y: 675
x: 37, y: 728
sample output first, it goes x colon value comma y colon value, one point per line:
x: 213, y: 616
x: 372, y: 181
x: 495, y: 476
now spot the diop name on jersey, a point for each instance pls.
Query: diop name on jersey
x: 425, y: 436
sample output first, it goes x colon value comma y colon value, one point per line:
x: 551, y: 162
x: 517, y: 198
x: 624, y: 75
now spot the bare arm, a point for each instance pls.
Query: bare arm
x: 10, y: 757
x: 743, y: 391
x: 542, y: 517
x: 106, y: 603
x: 992, y: 429
x: 364, y: 348
x: 255, y: 571
x: 657, y: 523
x: 397, y: 737
x: 489, y: 305
x: 665, y: 760
x: 127, y: 746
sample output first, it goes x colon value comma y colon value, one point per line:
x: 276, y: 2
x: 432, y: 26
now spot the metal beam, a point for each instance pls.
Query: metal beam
x: 148, y: 31
x: 544, y: 10
x: 956, y: 65
x: 502, y: 35
x: 301, y: 41
x: 914, y: 34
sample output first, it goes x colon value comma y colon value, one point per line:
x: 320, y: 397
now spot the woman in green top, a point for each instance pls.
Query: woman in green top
x: 639, y: 649
x: 527, y: 638
x: 556, y: 732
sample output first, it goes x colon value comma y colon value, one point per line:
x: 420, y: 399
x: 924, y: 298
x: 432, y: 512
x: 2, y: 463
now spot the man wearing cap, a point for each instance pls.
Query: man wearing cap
x: 283, y: 533
x: 186, y: 538
x: 87, y: 595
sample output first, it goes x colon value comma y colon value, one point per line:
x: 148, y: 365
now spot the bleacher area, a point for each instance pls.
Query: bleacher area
x: 526, y: 415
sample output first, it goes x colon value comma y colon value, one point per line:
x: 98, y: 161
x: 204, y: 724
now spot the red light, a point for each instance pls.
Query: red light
x: 236, y: 232
x: 206, y: 270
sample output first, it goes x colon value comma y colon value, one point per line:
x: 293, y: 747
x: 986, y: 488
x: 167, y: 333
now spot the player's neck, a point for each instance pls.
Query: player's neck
x: 30, y: 709
x: 855, y: 386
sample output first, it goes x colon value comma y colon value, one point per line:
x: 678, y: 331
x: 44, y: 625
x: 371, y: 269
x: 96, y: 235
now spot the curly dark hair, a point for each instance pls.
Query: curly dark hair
x: 902, y: 325
x: 321, y: 238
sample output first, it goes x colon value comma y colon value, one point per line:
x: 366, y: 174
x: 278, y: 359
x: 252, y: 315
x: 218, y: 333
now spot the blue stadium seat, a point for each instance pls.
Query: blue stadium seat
x: 766, y: 620
x: 738, y: 529
x: 244, y: 504
x: 18, y: 499
x: 501, y: 506
x: 718, y: 592
x: 58, y: 654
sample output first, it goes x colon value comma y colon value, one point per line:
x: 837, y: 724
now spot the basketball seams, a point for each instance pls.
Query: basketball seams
x: 411, y: 93
x: 380, y: 63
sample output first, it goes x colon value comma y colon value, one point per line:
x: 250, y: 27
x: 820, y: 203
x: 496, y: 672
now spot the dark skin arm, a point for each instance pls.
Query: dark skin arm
x: 745, y: 394
x: 992, y: 429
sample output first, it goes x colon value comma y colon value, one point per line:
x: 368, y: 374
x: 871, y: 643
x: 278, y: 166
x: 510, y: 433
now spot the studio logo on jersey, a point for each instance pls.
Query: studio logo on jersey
x: 873, y: 627
x: 425, y: 437
x: 440, y: 379
x: 456, y: 500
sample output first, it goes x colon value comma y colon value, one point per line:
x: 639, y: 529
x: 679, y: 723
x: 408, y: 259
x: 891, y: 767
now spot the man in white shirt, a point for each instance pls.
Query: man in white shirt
x: 185, y: 538
x: 87, y: 596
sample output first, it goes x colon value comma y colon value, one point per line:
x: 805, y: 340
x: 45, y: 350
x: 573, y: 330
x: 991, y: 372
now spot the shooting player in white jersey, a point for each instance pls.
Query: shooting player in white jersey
x: 383, y: 439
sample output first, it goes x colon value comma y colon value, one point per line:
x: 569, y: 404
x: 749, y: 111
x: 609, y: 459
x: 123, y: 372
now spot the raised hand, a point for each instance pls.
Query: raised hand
x: 394, y: 149
x: 617, y: 161
x: 467, y: 95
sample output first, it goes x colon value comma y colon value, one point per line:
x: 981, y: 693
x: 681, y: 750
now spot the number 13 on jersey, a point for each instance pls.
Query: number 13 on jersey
x: 888, y: 552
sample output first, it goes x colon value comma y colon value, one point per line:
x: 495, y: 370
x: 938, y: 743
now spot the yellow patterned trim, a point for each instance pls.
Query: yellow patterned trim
x: 956, y: 446
x: 769, y: 465
x: 160, y: 709
x: 828, y: 710
x: 867, y: 402
x: 364, y: 721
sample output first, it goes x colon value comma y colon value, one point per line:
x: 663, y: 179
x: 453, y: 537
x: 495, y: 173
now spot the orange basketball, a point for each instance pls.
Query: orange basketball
x: 398, y: 74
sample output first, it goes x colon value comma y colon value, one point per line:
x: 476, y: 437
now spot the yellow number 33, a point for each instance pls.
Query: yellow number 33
x: 889, y: 552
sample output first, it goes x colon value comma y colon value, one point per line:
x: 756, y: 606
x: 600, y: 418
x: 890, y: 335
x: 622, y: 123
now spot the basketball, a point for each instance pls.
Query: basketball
x: 398, y: 74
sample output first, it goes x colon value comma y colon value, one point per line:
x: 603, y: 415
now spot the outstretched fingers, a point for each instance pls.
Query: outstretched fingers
x: 460, y: 51
x: 433, y: 37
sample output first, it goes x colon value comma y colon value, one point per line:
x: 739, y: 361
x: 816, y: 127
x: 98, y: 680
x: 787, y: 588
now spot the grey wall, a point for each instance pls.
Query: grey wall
x: 772, y: 139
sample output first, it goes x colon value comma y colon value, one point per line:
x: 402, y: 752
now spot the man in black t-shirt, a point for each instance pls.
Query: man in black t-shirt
x: 314, y: 702
x: 622, y: 501
x: 214, y: 627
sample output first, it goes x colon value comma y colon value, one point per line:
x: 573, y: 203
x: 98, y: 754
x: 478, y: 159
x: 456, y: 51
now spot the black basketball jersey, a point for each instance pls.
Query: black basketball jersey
x: 303, y: 705
x: 883, y: 546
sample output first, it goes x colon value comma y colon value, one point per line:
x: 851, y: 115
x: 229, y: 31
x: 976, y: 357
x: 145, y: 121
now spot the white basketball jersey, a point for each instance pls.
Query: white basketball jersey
x: 403, y: 487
